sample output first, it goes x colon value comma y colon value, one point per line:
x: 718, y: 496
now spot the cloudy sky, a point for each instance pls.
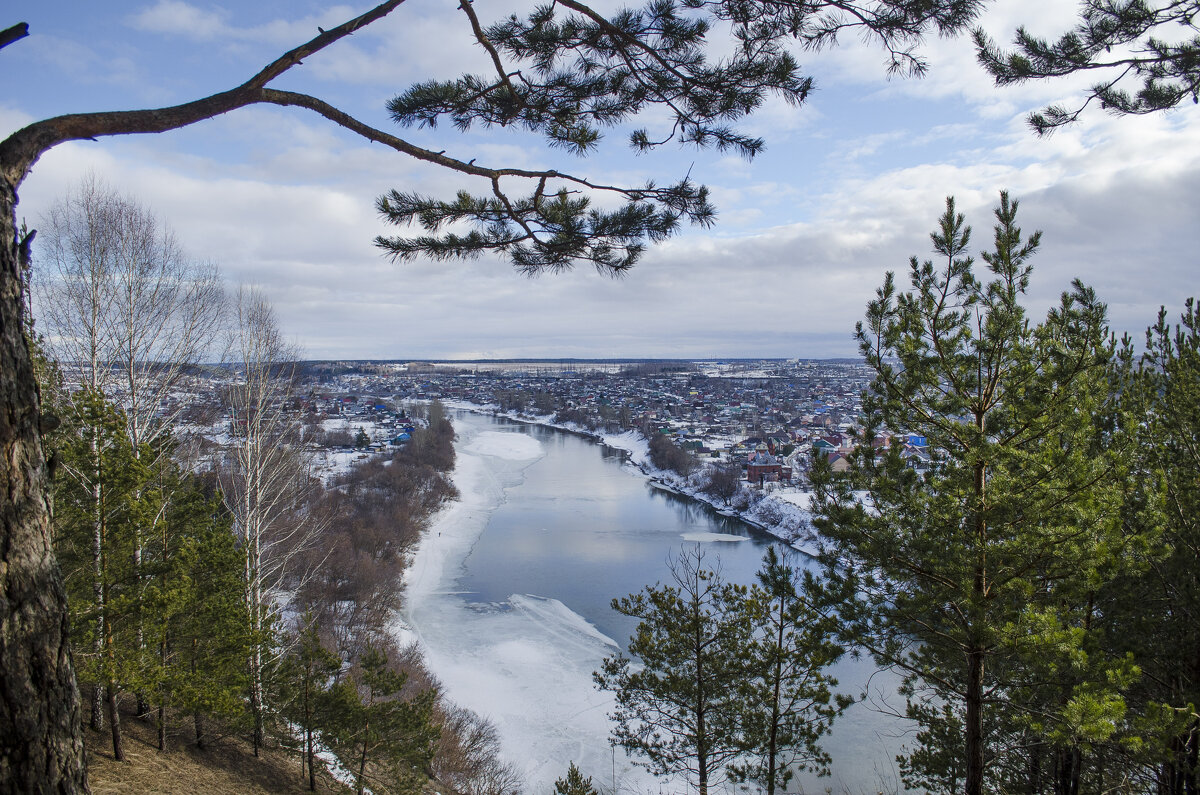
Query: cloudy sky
x: 849, y: 187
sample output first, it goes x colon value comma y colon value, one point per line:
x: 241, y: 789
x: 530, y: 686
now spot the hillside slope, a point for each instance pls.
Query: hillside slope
x: 226, y: 767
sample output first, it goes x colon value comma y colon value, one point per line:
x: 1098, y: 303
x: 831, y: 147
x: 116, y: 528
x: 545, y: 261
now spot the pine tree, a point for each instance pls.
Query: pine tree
x: 1154, y: 612
x: 204, y: 640
x: 980, y: 573
x: 387, y: 740
x: 306, y: 676
x: 788, y: 697
x: 574, y: 783
x: 98, y: 506
x: 682, y: 708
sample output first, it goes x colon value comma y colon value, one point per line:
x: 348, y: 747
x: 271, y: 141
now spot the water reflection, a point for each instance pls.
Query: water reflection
x: 575, y: 529
x: 693, y: 513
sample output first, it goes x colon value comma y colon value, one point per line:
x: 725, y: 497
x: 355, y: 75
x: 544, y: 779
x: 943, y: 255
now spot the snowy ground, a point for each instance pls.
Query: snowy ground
x: 329, y: 463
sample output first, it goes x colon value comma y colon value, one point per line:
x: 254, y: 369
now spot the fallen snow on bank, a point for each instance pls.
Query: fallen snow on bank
x: 631, y: 442
x: 513, y: 446
x: 439, y: 556
x: 801, y: 499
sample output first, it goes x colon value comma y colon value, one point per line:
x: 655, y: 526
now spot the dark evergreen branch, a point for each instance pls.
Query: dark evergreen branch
x: 1166, y: 72
x: 15, y: 33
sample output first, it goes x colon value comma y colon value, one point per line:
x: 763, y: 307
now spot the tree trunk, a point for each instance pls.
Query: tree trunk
x: 309, y: 752
x: 114, y: 721
x: 776, y: 698
x: 312, y: 771
x: 196, y: 720
x: 974, y: 723
x: 97, y: 705
x: 41, y: 742
x: 97, y: 719
x: 976, y: 656
x: 114, y: 712
x: 362, y: 764
x: 1068, y: 769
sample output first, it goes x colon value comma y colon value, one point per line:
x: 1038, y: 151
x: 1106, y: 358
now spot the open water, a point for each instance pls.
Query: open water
x: 511, y: 598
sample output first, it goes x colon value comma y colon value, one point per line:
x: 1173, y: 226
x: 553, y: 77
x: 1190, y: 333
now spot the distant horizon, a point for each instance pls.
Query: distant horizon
x: 589, y: 360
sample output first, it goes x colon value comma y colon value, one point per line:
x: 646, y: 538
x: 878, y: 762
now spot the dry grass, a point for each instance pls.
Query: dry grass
x: 227, y: 766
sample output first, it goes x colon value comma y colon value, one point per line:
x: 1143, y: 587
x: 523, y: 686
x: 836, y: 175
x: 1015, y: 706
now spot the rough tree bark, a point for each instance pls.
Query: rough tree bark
x: 41, y: 744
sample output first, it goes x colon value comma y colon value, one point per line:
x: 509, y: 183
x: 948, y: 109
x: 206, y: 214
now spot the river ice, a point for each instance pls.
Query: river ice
x: 513, y: 446
x: 701, y: 538
x: 525, y: 663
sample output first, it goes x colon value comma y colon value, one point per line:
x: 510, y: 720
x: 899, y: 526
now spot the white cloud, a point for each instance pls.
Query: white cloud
x: 185, y: 19
x: 179, y: 18
x: 847, y: 189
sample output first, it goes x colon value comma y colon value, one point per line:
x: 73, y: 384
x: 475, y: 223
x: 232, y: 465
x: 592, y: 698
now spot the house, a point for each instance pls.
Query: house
x: 762, y: 467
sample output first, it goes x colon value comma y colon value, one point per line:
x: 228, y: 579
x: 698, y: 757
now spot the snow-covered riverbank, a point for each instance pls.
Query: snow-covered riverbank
x: 784, y: 513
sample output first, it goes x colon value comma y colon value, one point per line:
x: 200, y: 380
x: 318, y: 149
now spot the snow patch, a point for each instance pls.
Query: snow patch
x: 501, y: 444
x: 701, y: 538
x: 631, y: 442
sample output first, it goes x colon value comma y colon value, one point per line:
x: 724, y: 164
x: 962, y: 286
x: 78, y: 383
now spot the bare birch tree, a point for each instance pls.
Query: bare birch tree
x: 123, y: 304
x: 164, y: 315
x: 74, y: 281
x: 266, y: 477
x: 127, y: 313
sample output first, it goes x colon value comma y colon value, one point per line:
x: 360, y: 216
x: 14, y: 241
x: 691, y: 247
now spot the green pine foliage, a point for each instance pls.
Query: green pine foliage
x: 384, y: 734
x: 195, y: 640
x: 789, y: 701
x: 568, y: 72
x: 97, y: 506
x: 305, y: 680
x: 978, y: 578
x: 1154, y: 612
x: 171, y: 627
x: 1146, y: 56
x: 574, y: 783
x: 209, y: 637
x: 680, y: 711
x: 731, y: 682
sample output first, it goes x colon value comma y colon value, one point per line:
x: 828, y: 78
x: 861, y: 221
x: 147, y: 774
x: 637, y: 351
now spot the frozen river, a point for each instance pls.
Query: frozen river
x: 509, y: 594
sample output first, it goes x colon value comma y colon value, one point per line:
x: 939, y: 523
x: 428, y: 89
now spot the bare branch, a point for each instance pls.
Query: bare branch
x: 21, y: 150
